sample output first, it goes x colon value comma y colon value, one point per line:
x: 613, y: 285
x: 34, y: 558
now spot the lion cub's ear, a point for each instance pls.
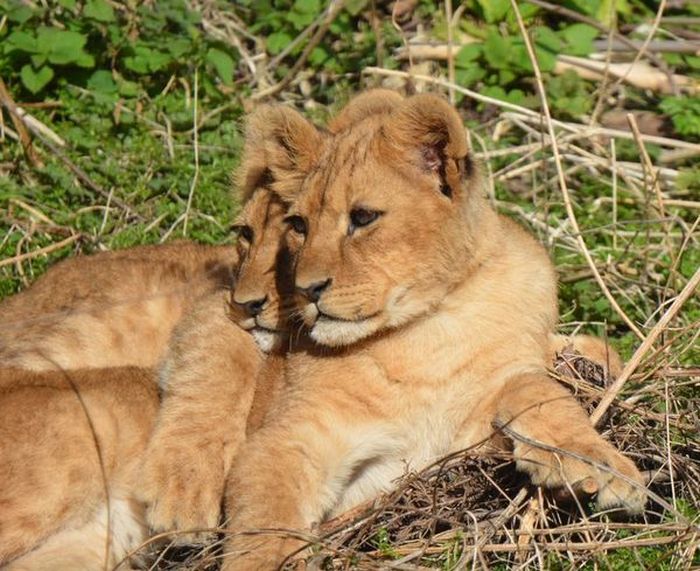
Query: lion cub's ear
x: 280, y: 148
x: 372, y: 102
x: 431, y: 130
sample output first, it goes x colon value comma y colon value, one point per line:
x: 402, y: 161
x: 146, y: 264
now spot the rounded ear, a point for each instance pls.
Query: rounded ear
x: 280, y: 149
x: 429, y: 132
x: 372, y: 102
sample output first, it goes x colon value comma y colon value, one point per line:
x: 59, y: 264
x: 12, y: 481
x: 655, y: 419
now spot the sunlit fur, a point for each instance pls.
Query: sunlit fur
x: 70, y: 443
x: 109, y: 309
x: 211, y: 375
x: 439, y: 319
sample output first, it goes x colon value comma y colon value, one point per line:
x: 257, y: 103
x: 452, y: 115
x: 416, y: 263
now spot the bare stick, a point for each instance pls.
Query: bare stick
x: 562, y: 179
x: 614, y: 389
x: 195, y: 136
x: 36, y: 253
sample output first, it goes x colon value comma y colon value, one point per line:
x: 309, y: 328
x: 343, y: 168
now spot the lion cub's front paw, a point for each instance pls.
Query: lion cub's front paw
x: 183, y: 486
x: 620, y: 487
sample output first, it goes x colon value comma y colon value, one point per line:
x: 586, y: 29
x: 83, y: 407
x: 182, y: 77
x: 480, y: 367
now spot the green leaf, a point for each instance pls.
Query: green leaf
x: 35, y: 81
x: 579, y: 39
x: 38, y: 60
x: 68, y: 4
x: 497, y: 50
x: 223, y: 63
x: 102, y: 82
x: 99, y: 10
x: 21, y: 41
x: 469, y: 77
x: 19, y: 13
x: 277, y: 41
x: 62, y: 46
x: 467, y: 55
x: 494, y: 10
x: 307, y: 6
x: 179, y: 47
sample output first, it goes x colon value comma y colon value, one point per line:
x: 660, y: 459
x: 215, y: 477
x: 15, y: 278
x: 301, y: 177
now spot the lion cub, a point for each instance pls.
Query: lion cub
x: 70, y: 442
x: 109, y: 309
x: 434, y: 317
x: 211, y: 374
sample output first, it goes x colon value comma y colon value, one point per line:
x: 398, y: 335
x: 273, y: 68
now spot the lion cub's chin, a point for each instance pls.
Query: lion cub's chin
x: 266, y: 339
x: 331, y: 332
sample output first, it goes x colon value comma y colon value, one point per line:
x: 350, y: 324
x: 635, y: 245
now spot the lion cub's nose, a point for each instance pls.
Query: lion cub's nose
x: 252, y: 307
x: 314, y: 291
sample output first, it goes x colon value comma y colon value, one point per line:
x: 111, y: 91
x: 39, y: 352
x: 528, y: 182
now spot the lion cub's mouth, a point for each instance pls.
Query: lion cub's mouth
x: 267, y: 338
x: 333, y: 331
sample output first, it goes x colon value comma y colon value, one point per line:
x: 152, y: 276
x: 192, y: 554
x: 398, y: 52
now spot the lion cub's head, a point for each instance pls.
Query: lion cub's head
x: 263, y: 285
x: 262, y: 296
x: 384, y: 225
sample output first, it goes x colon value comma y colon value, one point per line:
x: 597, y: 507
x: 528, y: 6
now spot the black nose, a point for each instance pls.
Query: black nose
x: 314, y: 291
x: 253, y: 307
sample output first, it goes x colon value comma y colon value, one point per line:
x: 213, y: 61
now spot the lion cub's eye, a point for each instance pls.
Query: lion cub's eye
x: 245, y: 232
x: 360, y: 217
x: 296, y: 223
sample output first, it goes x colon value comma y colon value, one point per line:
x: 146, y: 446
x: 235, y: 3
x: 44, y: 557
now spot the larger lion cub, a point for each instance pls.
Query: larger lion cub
x: 435, y: 316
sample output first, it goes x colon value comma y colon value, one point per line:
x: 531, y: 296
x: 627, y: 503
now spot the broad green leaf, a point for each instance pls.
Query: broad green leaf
x: 277, y: 41
x: 497, y: 51
x: 547, y: 39
x: 494, y: 10
x: 468, y: 54
x: 469, y: 77
x: 579, y: 39
x: 22, y: 42
x: 178, y: 47
x: 307, y: 6
x: 69, y: 4
x: 62, y: 46
x: 19, y: 13
x: 102, y: 82
x: 99, y: 10
x: 38, y: 60
x: 35, y: 81
x: 223, y: 63
x: 318, y: 56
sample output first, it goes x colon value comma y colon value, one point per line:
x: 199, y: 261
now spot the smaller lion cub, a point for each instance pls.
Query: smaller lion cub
x: 70, y: 443
x: 109, y: 309
x: 217, y: 379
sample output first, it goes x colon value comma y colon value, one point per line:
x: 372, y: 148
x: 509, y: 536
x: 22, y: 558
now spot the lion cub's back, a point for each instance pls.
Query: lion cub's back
x: 109, y: 309
x: 58, y: 432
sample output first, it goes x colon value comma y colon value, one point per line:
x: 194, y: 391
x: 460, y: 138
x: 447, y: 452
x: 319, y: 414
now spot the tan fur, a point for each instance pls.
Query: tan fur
x: 437, y: 324
x: 212, y: 372
x: 109, y: 309
x: 64, y: 436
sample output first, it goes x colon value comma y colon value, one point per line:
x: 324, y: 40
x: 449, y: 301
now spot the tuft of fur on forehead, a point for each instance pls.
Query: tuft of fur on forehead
x: 372, y: 102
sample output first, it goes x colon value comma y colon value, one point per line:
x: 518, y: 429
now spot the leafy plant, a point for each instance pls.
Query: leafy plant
x: 684, y: 113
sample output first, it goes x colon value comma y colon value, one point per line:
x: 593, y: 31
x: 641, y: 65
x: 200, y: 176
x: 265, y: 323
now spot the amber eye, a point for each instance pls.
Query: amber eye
x: 296, y: 223
x: 245, y: 232
x: 360, y: 217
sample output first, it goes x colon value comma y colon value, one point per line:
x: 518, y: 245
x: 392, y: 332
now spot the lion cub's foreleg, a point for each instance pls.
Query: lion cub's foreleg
x: 209, y: 380
x: 555, y: 443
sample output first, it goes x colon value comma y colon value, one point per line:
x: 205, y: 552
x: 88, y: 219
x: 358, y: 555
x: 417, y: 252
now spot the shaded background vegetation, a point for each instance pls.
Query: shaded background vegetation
x: 121, y: 126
